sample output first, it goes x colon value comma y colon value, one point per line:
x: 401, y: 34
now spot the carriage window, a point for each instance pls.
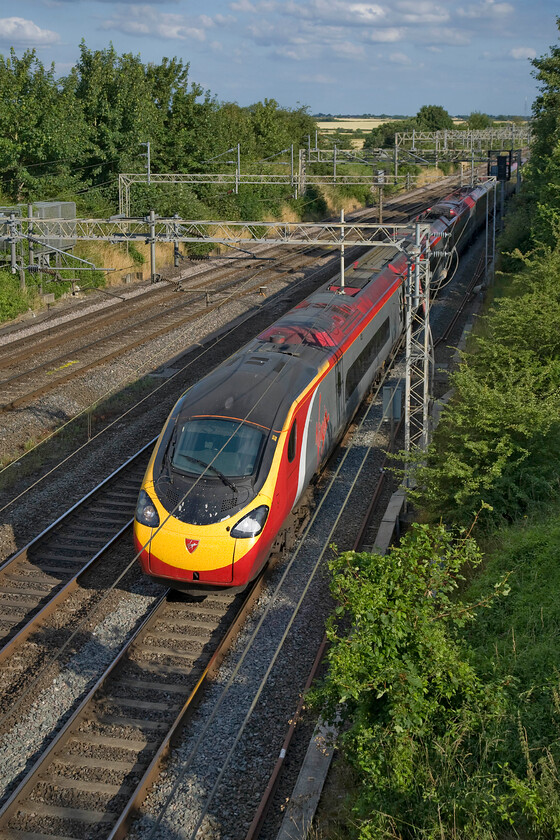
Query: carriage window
x: 366, y: 358
x: 338, y: 381
x: 292, y: 442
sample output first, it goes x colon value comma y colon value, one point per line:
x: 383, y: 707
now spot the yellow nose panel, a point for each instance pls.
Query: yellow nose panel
x: 193, y: 548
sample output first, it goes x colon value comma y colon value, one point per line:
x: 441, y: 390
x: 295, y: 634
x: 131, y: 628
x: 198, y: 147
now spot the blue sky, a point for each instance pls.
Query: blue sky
x: 334, y: 56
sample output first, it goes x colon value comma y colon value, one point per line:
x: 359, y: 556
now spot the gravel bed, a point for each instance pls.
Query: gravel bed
x: 53, y: 701
x: 66, y: 309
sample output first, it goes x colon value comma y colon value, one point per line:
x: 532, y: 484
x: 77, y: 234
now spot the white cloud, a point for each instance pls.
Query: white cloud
x: 445, y: 35
x: 399, y: 58
x: 337, y: 12
x: 384, y: 36
x: 293, y: 53
x: 487, y: 9
x: 520, y: 53
x: 19, y: 32
x: 346, y: 49
x: 421, y: 12
x: 253, y: 8
x: 144, y: 20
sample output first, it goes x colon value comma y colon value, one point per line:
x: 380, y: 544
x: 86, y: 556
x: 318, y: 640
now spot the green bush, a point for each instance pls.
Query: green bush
x: 13, y: 301
x: 420, y: 717
x: 449, y: 696
x: 499, y: 439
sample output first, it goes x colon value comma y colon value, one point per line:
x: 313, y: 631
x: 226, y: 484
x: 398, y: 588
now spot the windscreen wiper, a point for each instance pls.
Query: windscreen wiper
x: 206, y: 466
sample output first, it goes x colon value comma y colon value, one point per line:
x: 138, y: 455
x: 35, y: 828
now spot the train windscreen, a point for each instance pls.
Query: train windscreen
x: 213, y: 445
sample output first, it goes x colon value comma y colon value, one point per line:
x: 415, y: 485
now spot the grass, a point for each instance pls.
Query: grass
x: 519, y: 638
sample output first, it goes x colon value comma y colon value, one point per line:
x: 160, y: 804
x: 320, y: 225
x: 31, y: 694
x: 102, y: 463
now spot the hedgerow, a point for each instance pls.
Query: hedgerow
x: 448, y: 736
x: 499, y: 439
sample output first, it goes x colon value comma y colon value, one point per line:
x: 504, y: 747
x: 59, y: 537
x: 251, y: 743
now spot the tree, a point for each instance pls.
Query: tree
x: 499, y: 439
x: 433, y: 118
x: 384, y: 135
x: 418, y: 713
x: 183, y: 120
x: 42, y: 130
x: 543, y: 174
x: 478, y: 121
x: 115, y: 96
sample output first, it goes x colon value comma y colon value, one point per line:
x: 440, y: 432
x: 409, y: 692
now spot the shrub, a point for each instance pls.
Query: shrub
x: 13, y: 301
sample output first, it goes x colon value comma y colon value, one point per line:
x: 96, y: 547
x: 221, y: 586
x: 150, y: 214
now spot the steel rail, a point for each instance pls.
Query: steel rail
x: 90, y: 707
x: 37, y: 615
x: 23, y: 399
x: 75, y: 372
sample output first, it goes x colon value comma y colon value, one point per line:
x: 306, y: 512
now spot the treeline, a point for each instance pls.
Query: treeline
x: 69, y: 138
x: 448, y: 679
x: 428, y: 118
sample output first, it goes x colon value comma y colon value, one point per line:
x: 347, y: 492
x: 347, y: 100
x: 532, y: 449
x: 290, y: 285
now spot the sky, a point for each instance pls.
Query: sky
x: 332, y: 56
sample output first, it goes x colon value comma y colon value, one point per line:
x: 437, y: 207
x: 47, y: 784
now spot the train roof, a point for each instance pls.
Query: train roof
x: 286, y: 357
x: 257, y: 385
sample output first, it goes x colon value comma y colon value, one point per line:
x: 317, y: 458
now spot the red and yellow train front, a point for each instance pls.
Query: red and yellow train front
x: 207, y: 513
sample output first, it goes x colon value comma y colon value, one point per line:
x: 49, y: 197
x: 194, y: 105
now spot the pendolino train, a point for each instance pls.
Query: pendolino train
x: 240, y: 447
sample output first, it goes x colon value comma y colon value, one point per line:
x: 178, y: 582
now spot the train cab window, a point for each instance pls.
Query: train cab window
x: 211, y: 445
x: 292, y: 442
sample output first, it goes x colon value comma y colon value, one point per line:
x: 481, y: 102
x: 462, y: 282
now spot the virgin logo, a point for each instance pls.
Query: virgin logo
x: 191, y: 545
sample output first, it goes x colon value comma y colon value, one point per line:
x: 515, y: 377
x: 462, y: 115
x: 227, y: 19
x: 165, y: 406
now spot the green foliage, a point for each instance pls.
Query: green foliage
x: 312, y: 205
x: 433, y: 118
x: 428, y: 118
x: 499, y: 439
x: 401, y: 676
x: 135, y: 254
x: 448, y: 695
x: 516, y: 642
x: 12, y: 300
x: 384, y: 135
x: 69, y: 138
x: 478, y: 121
x: 42, y: 130
x: 539, y: 213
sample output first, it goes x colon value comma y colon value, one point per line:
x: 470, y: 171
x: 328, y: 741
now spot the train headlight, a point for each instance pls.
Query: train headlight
x: 146, y: 513
x: 252, y: 523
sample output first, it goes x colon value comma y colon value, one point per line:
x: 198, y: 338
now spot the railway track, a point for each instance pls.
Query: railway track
x: 39, y: 577
x: 49, y: 803
x: 135, y: 320
x: 61, y: 369
x: 94, y: 772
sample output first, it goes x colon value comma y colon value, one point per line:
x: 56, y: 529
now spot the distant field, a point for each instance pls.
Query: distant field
x: 350, y: 123
x: 356, y: 123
